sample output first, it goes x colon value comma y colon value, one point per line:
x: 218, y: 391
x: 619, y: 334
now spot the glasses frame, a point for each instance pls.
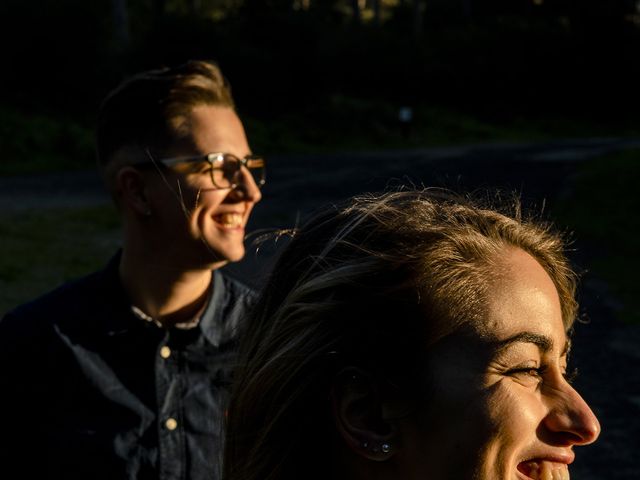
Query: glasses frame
x: 216, y: 159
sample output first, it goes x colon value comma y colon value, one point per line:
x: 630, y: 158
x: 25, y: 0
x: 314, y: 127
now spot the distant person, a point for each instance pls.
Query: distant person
x: 405, y: 118
x: 410, y: 336
x: 124, y: 374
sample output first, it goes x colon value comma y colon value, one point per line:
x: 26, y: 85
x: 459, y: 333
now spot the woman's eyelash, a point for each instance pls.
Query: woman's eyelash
x: 531, y: 371
x: 538, y: 372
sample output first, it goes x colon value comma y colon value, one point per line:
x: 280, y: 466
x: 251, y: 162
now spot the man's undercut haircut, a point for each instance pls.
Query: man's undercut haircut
x: 150, y: 110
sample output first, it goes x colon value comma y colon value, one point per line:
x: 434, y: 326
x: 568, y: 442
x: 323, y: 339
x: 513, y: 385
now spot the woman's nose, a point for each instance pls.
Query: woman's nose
x: 570, y: 419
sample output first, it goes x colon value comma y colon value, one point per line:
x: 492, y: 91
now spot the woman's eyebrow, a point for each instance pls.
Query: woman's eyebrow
x: 544, y: 343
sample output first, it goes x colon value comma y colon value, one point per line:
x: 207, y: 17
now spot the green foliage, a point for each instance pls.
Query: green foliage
x: 44, y: 248
x: 350, y: 123
x: 603, y: 211
x: 38, y: 143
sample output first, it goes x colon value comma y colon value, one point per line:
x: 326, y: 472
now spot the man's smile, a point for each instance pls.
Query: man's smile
x: 229, y: 220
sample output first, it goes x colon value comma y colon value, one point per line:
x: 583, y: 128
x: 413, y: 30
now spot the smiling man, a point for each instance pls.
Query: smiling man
x: 124, y: 373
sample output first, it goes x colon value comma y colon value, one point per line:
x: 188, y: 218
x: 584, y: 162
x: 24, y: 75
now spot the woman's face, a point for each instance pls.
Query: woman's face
x: 501, y: 406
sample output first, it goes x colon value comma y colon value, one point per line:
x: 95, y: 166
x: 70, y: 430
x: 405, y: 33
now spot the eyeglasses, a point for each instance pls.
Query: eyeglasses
x: 226, y: 168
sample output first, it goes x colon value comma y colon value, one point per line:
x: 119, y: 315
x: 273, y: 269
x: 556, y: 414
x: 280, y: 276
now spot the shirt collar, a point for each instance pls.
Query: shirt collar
x: 119, y: 317
x: 211, y: 318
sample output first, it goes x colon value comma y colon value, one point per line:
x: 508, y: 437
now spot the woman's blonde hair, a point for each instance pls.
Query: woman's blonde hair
x: 370, y: 284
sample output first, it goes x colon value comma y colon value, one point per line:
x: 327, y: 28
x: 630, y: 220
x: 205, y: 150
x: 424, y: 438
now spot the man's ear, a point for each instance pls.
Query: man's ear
x: 364, y: 416
x: 132, y: 191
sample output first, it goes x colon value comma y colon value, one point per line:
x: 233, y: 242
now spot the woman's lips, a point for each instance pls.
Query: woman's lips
x: 539, y: 469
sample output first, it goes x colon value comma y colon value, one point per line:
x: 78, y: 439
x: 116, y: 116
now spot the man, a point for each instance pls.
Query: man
x: 124, y: 373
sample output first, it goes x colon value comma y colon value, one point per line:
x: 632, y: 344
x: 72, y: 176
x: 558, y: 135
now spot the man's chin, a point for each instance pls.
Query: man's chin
x: 234, y: 256
x: 218, y: 258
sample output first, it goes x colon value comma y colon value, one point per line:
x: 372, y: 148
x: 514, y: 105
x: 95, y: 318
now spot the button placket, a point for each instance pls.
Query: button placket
x: 171, y: 441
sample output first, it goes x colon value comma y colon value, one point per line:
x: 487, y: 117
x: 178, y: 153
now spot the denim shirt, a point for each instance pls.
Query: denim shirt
x: 91, y: 391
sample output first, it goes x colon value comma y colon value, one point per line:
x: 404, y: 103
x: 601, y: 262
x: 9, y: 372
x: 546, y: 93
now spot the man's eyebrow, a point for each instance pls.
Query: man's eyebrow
x: 544, y: 343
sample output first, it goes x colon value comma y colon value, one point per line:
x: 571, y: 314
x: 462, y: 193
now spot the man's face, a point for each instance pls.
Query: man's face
x: 202, y: 225
x: 501, y: 408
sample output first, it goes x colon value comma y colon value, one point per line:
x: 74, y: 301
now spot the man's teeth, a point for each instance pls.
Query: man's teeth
x: 230, y: 219
x: 543, y: 470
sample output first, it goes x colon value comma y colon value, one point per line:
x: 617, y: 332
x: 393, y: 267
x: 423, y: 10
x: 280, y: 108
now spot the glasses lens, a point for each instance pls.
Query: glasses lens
x: 230, y: 168
x: 256, y: 166
x: 227, y: 171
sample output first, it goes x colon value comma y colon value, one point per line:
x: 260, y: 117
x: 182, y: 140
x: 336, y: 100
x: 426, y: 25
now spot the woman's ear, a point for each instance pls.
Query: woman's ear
x: 365, y: 418
x: 132, y: 191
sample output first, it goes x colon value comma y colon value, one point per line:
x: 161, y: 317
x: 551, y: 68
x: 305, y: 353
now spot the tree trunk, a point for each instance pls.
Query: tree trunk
x: 376, y: 12
x: 467, y: 9
x: 158, y: 10
x: 194, y: 7
x: 357, y: 15
x: 417, y: 19
x: 121, y: 23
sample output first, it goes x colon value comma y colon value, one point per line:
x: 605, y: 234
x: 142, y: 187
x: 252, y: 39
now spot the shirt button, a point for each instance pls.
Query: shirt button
x: 171, y: 424
x: 165, y: 352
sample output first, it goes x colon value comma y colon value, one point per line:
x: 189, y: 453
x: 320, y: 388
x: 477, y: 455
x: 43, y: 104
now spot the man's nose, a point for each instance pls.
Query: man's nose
x: 570, y: 419
x: 247, y: 190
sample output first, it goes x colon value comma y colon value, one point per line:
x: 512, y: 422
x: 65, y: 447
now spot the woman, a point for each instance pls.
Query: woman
x: 411, y: 336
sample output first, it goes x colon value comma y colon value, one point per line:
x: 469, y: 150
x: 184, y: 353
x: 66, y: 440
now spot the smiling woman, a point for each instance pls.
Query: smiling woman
x: 411, y: 335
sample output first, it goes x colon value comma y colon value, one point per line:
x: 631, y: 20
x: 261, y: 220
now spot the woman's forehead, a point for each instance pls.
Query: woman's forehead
x: 521, y: 305
x: 522, y: 295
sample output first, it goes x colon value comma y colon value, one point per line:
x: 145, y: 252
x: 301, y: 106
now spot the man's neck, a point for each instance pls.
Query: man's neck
x: 162, y: 290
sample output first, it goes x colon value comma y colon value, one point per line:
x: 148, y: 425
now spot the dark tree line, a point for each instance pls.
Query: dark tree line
x: 492, y: 55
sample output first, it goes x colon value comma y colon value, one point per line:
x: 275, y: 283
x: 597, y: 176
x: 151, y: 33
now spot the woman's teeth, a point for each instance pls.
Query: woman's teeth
x: 544, y: 470
x: 229, y: 219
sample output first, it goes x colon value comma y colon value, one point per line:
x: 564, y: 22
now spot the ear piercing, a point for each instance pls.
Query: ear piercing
x: 384, y: 448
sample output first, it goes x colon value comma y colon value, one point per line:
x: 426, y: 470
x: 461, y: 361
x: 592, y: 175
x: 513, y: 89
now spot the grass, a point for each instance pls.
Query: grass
x: 41, y: 143
x: 44, y: 248
x: 38, y: 143
x: 346, y: 123
x: 603, y: 211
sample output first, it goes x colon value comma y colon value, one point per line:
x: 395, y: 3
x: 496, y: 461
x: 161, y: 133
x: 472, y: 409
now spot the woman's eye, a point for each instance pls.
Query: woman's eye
x: 528, y: 373
x: 533, y: 372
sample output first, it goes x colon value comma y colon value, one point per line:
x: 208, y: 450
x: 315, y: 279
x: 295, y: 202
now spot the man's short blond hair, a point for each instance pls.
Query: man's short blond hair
x: 149, y: 111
